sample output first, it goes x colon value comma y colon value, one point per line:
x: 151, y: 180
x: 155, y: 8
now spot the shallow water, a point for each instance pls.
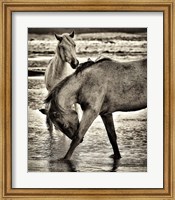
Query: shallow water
x: 93, y: 154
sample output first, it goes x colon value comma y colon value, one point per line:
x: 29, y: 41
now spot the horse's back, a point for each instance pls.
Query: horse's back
x: 127, y: 87
x: 112, y: 72
x: 122, y: 86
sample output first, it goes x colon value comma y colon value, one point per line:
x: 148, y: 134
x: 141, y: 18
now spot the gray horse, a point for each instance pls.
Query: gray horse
x: 101, y: 88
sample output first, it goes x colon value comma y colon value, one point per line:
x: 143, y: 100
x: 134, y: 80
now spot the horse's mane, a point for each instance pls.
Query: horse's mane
x: 54, y: 92
x: 89, y: 63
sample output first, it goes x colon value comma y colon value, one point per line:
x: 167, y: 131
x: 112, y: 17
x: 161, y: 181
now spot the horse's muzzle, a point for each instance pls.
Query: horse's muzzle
x: 74, y: 64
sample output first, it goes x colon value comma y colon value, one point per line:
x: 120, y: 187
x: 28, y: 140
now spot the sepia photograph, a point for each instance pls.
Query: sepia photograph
x: 87, y: 99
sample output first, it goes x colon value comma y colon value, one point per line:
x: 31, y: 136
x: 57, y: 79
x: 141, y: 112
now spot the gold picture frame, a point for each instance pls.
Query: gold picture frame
x: 7, y: 7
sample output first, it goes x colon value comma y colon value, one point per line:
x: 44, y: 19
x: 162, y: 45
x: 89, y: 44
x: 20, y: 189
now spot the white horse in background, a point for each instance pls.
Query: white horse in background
x: 61, y: 65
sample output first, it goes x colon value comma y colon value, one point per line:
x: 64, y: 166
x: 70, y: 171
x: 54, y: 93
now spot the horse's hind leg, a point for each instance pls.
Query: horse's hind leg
x: 109, y: 125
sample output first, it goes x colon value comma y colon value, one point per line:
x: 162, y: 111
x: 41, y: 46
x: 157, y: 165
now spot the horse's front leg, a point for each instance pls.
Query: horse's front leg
x: 49, y: 125
x: 109, y: 125
x: 87, y: 119
x: 48, y: 121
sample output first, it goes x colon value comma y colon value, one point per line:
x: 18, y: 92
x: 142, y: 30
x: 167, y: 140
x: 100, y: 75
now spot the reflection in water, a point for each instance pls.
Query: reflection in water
x: 115, y: 166
x: 57, y: 164
x: 58, y: 146
x: 62, y: 166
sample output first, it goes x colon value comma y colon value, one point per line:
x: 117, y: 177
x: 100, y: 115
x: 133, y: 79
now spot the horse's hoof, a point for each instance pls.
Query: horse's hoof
x: 115, y: 156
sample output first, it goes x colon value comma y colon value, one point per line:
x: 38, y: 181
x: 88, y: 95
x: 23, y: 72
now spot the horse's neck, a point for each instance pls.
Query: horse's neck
x: 67, y: 70
x: 58, y: 65
x: 68, y: 94
x: 62, y: 68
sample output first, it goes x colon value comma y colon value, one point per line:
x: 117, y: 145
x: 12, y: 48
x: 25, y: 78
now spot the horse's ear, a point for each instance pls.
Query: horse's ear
x: 58, y: 37
x: 71, y: 34
x: 44, y: 111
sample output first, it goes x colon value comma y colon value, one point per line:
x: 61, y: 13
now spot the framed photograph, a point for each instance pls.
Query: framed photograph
x: 87, y: 99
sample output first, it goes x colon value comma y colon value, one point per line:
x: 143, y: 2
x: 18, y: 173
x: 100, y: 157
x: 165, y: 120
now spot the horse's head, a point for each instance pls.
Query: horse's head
x: 67, y: 123
x: 66, y: 48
